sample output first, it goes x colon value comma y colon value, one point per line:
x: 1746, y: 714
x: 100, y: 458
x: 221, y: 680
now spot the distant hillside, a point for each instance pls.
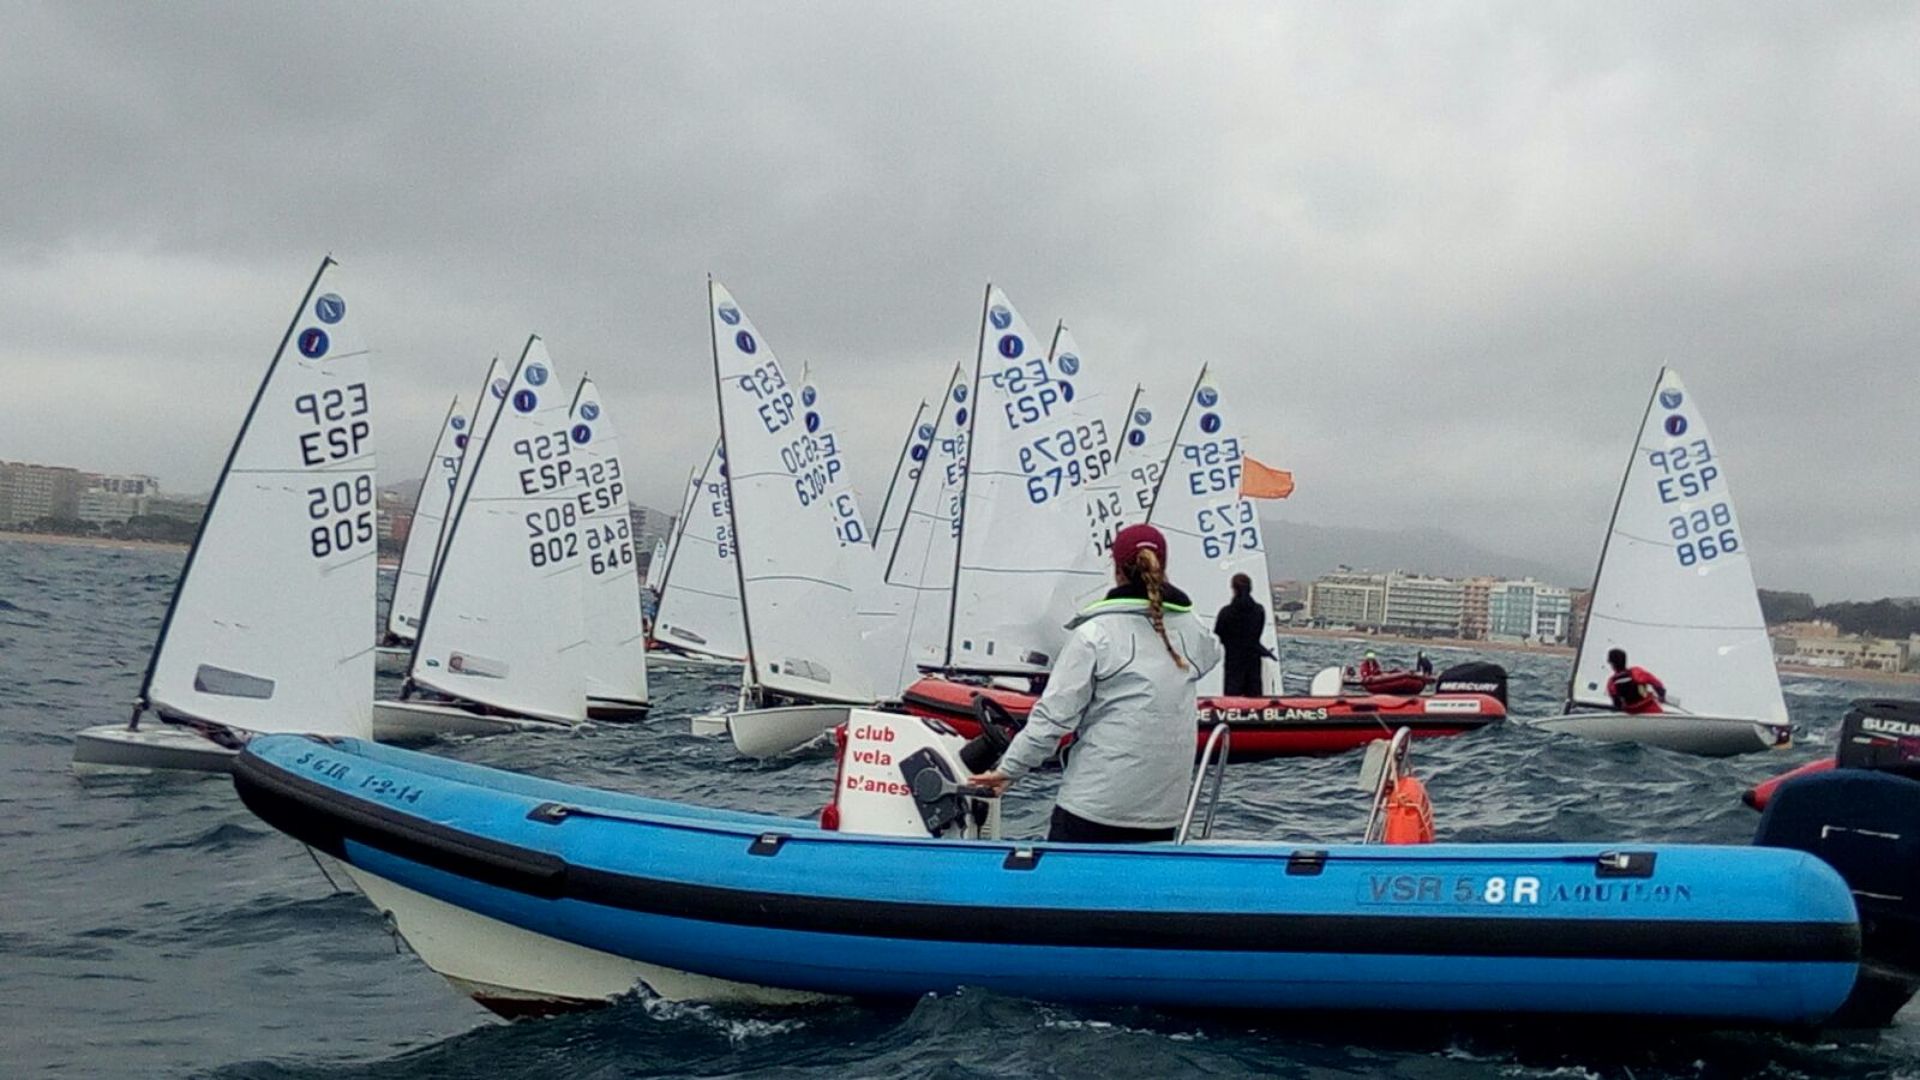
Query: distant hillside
x: 1303, y: 552
x: 1888, y: 618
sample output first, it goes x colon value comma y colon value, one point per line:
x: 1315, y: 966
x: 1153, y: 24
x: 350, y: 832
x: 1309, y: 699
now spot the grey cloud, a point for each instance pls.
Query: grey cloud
x: 1438, y: 252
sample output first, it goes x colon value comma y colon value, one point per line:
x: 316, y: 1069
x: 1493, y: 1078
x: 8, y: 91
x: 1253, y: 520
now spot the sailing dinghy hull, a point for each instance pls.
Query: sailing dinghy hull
x: 1705, y: 736
x: 617, y: 709
x: 154, y: 747
x: 420, y: 721
x: 764, y: 733
x: 622, y: 887
x: 668, y: 660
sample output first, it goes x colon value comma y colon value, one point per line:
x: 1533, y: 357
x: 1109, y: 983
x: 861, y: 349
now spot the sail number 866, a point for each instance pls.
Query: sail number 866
x: 1703, y: 535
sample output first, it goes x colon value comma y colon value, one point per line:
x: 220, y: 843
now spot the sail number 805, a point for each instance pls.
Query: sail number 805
x: 344, y: 512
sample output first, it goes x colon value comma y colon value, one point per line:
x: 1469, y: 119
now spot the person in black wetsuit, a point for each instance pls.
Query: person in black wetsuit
x: 1239, y: 627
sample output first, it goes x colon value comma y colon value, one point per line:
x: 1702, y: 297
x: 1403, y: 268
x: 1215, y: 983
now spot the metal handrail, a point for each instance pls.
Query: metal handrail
x: 1222, y: 740
x: 1398, y: 751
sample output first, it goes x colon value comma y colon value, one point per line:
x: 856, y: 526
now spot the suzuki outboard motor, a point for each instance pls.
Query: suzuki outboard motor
x: 1863, y: 819
x: 1474, y: 677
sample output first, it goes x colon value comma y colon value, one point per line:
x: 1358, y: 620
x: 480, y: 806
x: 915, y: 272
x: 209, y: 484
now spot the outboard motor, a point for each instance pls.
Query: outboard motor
x: 1474, y: 677
x: 1881, y: 734
x: 1863, y: 819
x: 902, y: 775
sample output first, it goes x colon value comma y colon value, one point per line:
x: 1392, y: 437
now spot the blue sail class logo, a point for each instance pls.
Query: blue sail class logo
x: 1000, y: 317
x: 1209, y: 423
x: 536, y: 375
x: 1207, y: 397
x: 330, y: 308
x: 458, y: 423
x: 729, y: 314
x: 590, y: 410
x: 525, y: 400
x: 1143, y: 417
x: 1671, y: 399
x: 744, y: 341
x: 313, y: 343
x: 581, y: 433
x: 1069, y: 364
x: 1011, y: 346
x: 1676, y: 425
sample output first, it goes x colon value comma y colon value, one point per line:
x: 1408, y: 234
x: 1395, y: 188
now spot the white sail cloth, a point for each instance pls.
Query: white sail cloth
x: 268, y: 629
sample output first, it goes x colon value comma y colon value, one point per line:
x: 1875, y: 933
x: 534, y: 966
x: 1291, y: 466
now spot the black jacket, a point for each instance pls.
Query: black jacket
x: 1239, y: 627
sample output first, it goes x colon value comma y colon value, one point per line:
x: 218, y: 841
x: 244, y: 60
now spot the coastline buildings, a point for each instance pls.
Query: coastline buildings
x: 30, y: 493
x: 1818, y: 643
x: 1480, y: 608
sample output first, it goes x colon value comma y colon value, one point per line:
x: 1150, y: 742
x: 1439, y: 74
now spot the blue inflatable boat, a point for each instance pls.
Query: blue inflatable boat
x: 534, y: 895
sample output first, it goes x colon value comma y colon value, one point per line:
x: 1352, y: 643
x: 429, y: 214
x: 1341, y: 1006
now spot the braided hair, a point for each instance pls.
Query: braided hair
x: 1144, y: 570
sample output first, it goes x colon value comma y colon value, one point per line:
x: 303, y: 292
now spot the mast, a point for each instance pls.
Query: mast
x: 454, y: 513
x: 1573, y: 674
x: 141, y: 703
x: 419, y: 496
x: 898, y: 463
x: 973, y: 419
x: 912, y: 493
x: 697, y: 479
x: 751, y: 672
x: 1178, y: 430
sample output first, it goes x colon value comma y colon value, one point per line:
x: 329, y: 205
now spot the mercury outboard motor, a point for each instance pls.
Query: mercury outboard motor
x: 1863, y: 819
x: 1474, y: 677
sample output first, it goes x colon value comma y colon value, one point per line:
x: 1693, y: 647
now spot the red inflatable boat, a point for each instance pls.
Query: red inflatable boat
x: 1262, y: 727
x: 1393, y: 682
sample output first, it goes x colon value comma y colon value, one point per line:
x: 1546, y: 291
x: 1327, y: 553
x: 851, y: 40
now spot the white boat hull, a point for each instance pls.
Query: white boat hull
x: 663, y: 660
x: 418, y: 721
x: 391, y: 659
x: 155, y: 746
x: 1706, y: 736
x: 609, y: 708
x: 709, y: 726
x: 517, y: 972
x: 762, y: 733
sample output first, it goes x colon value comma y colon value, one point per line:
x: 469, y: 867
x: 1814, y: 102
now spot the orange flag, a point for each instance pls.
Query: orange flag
x: 1259, y: 481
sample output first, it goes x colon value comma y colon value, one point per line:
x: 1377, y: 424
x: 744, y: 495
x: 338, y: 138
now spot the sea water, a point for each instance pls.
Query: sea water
x: 152, y: 927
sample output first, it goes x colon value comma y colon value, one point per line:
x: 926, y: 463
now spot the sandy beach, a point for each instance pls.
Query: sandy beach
x: 89, y: 541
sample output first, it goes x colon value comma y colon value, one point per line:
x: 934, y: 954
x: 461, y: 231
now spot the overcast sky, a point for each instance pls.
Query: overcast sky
x: 1439, y: 251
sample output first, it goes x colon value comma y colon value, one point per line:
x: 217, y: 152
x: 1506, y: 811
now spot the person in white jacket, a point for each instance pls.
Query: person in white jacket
x: 1124, y: 688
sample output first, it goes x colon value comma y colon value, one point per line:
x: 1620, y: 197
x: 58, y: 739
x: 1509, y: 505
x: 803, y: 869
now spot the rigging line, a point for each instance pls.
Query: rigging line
x: 1675, y: 626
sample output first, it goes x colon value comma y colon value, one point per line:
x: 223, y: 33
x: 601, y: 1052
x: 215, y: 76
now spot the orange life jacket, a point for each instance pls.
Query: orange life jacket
x: 1409, y: 813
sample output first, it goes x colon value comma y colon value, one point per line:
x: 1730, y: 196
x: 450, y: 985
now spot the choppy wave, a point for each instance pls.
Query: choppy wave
x: 154, y: 927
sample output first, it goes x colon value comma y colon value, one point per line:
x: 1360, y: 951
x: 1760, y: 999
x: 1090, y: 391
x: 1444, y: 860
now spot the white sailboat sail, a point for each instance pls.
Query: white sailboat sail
x: 503, y: 623
x: 616, y: 640
x: 267, y: 631
x: 1125, y: 497
x: 1037, y: 440
x: 662, y: 567
x: 656, y: 565
x: 1675, y: 588
x: 486, y: 406
x: 886, y: 610
x: 906, y: 470
x: 802, y: 635
x: 423, y: 534
x: 1213, y: 532
x: 919, y: 568
x: 700, y: 596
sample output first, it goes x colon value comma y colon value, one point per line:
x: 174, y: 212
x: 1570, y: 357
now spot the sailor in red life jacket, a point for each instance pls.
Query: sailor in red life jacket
x: 1369, y: 667
x: 1633, y: 689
